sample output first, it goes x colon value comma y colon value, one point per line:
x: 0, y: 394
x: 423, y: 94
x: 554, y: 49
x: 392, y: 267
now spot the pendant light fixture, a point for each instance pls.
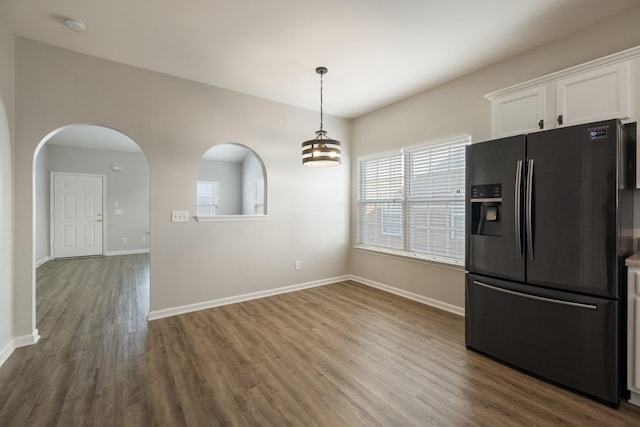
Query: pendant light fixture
x: 321, y: 151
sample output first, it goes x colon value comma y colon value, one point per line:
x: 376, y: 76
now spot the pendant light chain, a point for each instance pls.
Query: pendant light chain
x: 321, y: 111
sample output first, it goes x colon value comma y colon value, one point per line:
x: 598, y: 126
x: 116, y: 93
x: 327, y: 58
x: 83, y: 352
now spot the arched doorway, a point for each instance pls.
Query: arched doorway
x: 64, y: 161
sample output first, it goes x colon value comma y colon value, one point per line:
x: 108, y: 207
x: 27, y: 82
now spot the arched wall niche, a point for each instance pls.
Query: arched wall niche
x: 232, y: 183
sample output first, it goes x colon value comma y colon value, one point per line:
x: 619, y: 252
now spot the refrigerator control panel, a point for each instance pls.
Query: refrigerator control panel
x: 487, y: 191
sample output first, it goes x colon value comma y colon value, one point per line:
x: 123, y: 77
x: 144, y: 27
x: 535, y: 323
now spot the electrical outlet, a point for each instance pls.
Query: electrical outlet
x: 298, y: 265
x: 179, y: 216
x: 124, y: 240
x: 143, y: 239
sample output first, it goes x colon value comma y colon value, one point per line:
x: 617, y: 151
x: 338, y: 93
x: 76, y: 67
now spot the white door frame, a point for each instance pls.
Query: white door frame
x: 52, y: 209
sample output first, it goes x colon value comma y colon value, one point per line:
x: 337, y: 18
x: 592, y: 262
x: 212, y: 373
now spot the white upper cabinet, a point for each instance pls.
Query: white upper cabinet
x: 598, y: 94
x: 603, y: 89
x: 520, y: 112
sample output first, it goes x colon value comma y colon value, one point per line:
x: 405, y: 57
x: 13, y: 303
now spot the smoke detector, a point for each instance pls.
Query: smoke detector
x: 75, y: 25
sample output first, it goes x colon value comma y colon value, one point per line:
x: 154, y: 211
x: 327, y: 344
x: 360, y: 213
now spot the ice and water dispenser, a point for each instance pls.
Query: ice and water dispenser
x: 486, y: 209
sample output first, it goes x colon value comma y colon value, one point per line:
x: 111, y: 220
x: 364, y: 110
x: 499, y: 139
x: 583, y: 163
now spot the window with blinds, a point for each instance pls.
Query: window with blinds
x: 207, y: 198
x: 412, y: 201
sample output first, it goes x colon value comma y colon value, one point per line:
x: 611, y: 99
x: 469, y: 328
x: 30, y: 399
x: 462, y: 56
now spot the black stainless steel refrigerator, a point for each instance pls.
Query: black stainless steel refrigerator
x: 549, y: 223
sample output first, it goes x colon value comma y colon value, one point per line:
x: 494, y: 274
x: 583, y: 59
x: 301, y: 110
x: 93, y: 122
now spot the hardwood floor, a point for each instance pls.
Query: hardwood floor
x: 337, y: 355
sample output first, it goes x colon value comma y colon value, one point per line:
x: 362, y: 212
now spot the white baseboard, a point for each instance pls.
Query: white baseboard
x: 26, y: 340
x: 16, y: 342
x: 410, y: 295
x: 174, y: 311
x: 129, y: 252
x: 6, y: 352
x: 42, y: 261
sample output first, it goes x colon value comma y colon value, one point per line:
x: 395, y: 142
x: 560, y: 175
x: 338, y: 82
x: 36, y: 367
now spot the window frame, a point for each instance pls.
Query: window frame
x: 453, y: 205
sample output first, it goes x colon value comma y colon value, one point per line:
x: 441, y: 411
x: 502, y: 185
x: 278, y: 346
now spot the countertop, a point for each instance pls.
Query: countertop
x: 633, y: 260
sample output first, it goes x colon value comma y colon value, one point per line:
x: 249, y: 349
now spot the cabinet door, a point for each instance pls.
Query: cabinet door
x: 521, y: 112
x: 599, y: 94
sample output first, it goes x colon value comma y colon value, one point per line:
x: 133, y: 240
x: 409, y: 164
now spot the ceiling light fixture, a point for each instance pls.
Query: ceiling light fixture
x: 75, y: 25
x: 321, y: 151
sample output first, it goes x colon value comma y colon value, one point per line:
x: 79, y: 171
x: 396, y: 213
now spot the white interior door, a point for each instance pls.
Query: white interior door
x: 76, y: 215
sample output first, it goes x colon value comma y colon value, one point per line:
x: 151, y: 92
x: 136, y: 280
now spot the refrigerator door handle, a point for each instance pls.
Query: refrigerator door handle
x: 518, y: 204
x: 529, y: 200
x: 537, y: 298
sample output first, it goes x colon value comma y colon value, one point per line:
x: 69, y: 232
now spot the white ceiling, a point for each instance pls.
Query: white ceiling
x: 377, y: 51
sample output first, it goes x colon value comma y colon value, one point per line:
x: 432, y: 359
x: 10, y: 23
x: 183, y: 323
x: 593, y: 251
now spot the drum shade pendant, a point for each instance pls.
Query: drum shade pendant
x: 321, y: 151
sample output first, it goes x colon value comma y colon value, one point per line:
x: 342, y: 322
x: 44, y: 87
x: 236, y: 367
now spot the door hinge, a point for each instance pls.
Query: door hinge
x: 560, y: 119
x: 541, y: 124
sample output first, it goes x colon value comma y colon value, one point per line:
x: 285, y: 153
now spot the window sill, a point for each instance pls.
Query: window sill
x: 231, y: 218
x: 407, y: 256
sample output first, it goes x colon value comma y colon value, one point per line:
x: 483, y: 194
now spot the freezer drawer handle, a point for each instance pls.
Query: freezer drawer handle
x: 535, y: 297
x: 488, y: 199
x: 517, y: 209
x: 529, y: 196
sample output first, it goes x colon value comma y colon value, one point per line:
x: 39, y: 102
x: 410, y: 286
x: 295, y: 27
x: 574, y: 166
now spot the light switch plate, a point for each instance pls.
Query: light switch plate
x: 179, y: 216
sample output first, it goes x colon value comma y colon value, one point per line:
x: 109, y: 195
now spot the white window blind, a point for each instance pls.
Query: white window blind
x: 380, y: 201
x: 435, y: 200
x: 413, y: 201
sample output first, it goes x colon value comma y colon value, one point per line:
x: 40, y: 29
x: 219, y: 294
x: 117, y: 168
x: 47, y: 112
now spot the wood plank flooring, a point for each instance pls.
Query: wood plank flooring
x: 337, y: 355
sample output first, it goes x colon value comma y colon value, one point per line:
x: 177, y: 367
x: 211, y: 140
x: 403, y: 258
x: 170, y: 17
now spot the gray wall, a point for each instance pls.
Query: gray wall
x: 457, y: 108
x: 43, y: 191
x: 129, y: 187
x: 6, y: 194
x: 174, y: 121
